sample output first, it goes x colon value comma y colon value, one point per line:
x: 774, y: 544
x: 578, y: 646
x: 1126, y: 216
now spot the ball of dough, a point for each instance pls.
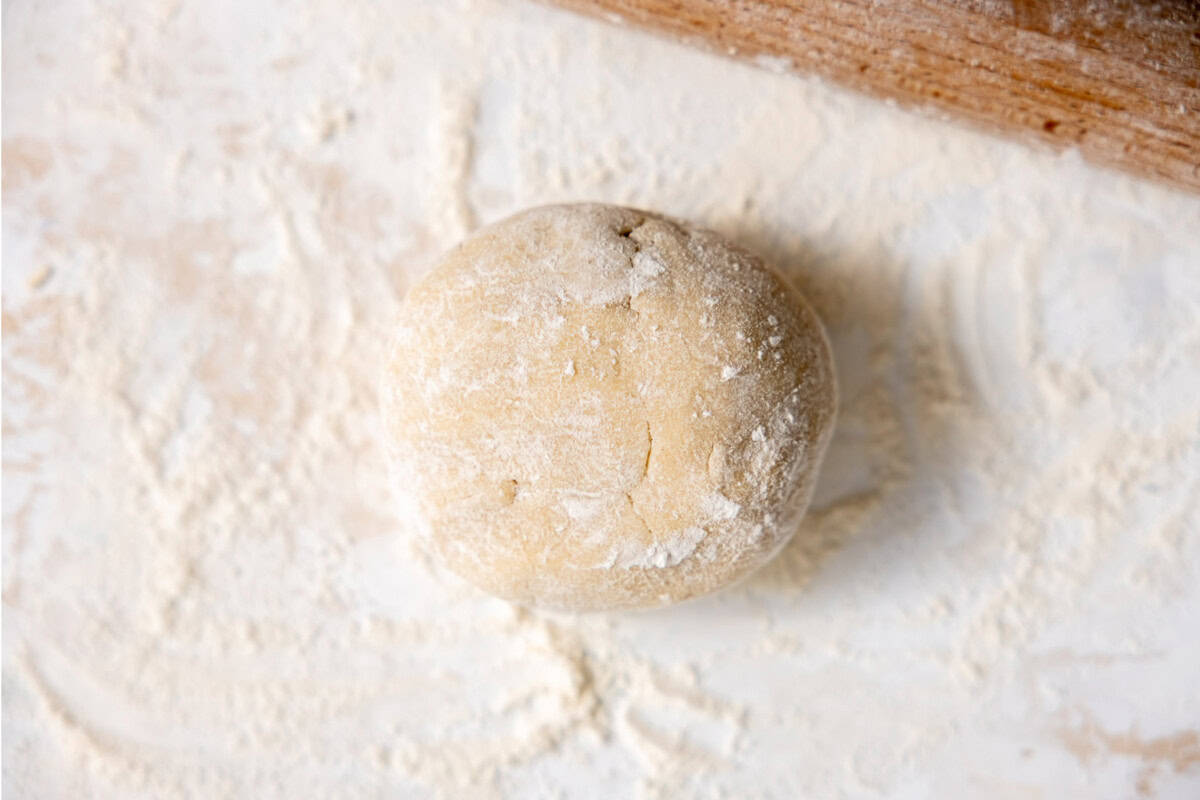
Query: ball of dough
x: 592, y: 407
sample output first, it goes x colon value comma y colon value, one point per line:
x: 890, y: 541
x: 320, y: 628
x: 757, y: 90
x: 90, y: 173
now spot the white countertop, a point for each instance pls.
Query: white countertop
x: 210, y: 215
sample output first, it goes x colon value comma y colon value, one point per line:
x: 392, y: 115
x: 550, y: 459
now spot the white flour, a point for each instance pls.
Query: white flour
x: 209, y: 218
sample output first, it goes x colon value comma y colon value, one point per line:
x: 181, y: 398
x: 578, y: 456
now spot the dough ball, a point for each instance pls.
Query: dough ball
x: 593, y: 407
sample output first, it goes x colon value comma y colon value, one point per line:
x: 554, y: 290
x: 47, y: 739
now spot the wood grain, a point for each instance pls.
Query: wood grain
x: 1118, y: 79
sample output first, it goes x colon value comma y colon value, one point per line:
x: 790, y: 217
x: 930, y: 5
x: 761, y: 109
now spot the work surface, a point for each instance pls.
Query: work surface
x: 210, y: 217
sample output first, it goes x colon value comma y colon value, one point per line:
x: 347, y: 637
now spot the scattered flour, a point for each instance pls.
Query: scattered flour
x: 208, y: 589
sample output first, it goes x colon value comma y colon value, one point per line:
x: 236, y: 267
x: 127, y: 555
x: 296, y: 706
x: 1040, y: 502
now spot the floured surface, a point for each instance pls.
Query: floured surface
x: 563, y: 419
x: 207, y: 590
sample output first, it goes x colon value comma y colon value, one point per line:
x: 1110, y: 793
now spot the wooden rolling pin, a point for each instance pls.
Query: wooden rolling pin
x: 1118, y: 79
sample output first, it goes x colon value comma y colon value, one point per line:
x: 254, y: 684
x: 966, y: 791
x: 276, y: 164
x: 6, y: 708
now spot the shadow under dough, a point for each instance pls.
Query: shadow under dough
x: 903, y: 399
